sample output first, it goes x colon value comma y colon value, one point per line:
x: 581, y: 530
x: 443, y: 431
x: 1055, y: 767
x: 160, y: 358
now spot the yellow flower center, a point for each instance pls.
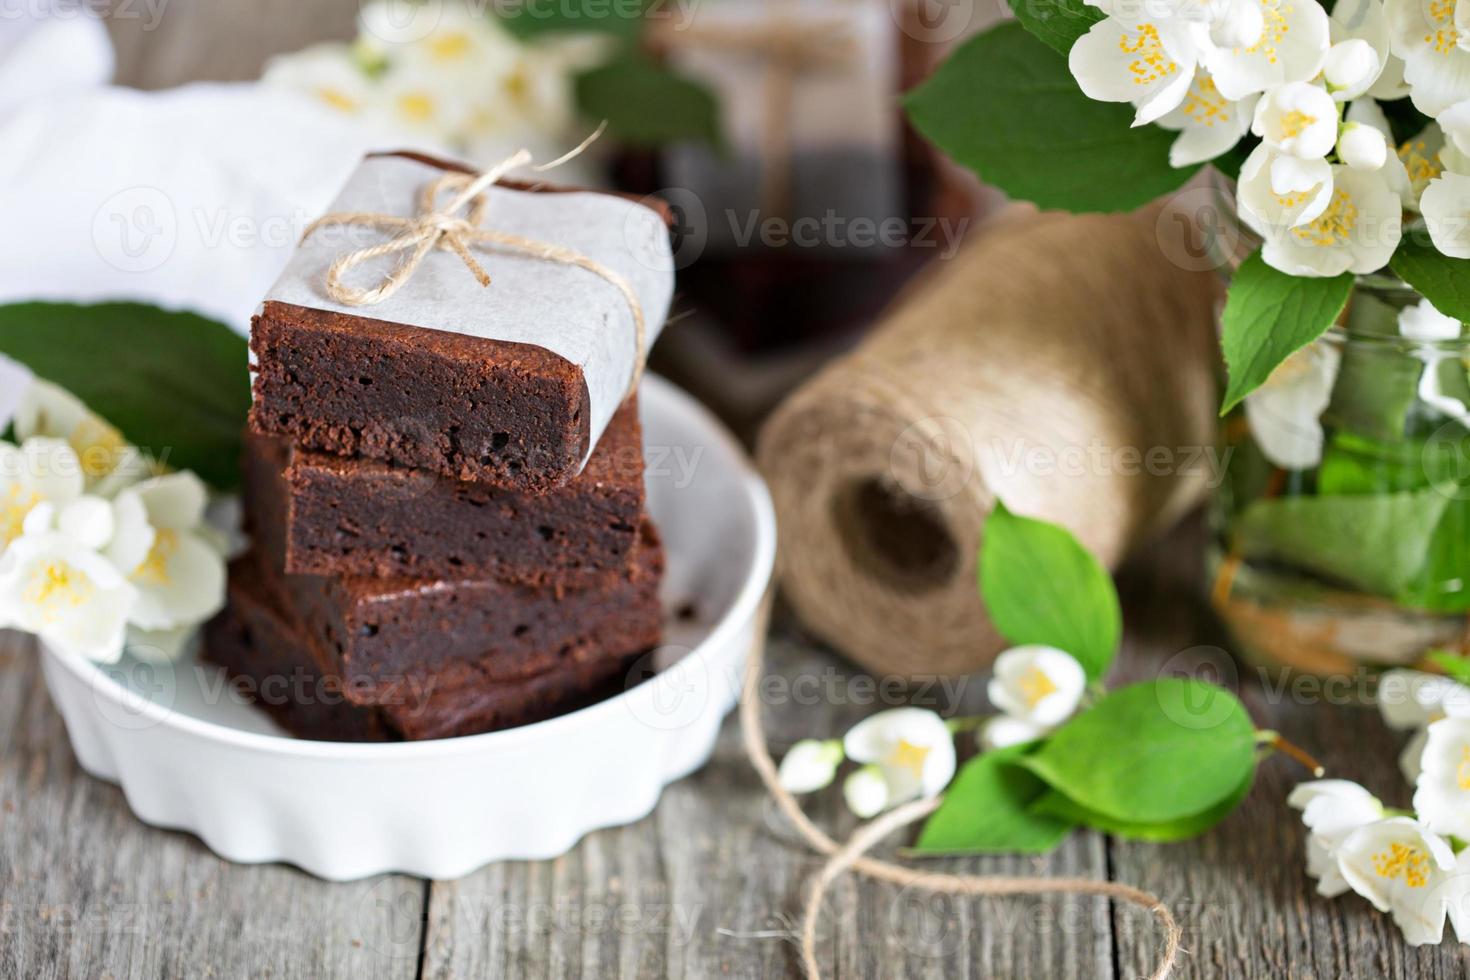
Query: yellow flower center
x: 1403, y: 861
x: 1274, y: 30
x: 1462, y: 772
x: 417, y: 106
x: 14, y: 507
x: 517, y: 87
x: 1035, y: 685
x: 1150, y: 63
x: 56, y: 586
x: 154, y: 569
x: 1204, y: 104
x: 337, y: 99
x: 449, y: 47
x: 1295, y: 122
x: 907, y: 755
x: 1333, y: 226
x: 98, y: 445
x: 1443, y: 36
x: 1421, y: 165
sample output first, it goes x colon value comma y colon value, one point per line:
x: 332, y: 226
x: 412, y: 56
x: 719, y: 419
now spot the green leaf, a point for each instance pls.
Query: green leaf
x: 1056, y: 805
x: 1151, y: 753
x: 645, y: 104
x: 987, y: 810
x: 623, y: 20
x: 1058, y: 23
x: 1041, y: 586
x: 175, y: 384
x: 1443, y: 281
x: 1443, y: 583
x: 1376, y: 542
x: 1455, y: 666
x: 1006, y: 106
x: 1269, y: 316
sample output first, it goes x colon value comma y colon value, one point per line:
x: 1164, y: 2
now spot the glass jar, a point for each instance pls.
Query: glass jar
x: 1343, y: 523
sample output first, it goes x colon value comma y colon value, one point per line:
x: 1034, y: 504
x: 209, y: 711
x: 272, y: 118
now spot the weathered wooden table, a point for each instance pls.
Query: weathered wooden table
x: 707, y: 885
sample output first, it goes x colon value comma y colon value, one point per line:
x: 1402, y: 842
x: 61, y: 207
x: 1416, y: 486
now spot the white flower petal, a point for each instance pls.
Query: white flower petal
x: 1003, y: 731
x: 1414, y: 699
x: 1362, y: 147
x: 866, y: 792
x: 1292, y: 48
x: 132, y: 536
x: 1445, y: 204
x: 52, y: 469
x: 181, y: 581
x: 1436, y: 68
x: 176, y: 501
x: 1037, y: 684
x: 1400, y: 866
x: 1424, y: 323
x: 88, y: 520
x: 1149, y: 64
x: 1285, y: 413
x: 1442, y: 797
x: 809, y: 766
x: 1357, y: 232
x: 1297, y: 119
x: 1207, y: 122
x: 67, y: 594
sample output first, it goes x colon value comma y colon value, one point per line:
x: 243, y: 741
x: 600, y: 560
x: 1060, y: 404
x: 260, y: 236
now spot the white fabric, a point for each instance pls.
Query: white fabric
x: 190, y: 198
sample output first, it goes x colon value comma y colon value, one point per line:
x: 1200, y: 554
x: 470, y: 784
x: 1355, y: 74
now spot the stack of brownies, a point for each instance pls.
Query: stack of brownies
x: 438, y: 549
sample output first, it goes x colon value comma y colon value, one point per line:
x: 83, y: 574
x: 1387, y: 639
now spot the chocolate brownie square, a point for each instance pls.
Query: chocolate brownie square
x: 326, y: 515
x: 271, y: 657
x: 458, y: 382
x: 383, y: 633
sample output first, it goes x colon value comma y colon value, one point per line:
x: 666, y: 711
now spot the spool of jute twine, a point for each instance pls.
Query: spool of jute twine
x: 1064, y: 364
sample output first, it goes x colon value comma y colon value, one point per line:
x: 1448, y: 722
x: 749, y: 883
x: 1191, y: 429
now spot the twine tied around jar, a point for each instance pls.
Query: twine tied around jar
x: 435, y: 227
x: 789, y: 48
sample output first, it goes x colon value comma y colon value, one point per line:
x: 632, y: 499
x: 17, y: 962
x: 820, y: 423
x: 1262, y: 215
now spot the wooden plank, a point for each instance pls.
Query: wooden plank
x: 87, y: 891
x: 711, y: 883
x: 1242, y: 893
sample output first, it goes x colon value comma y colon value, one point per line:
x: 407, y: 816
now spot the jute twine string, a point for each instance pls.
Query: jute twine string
x: 444, y: 228
x: 995, y: 376
x: 851, y: 856
x: 789, y: 48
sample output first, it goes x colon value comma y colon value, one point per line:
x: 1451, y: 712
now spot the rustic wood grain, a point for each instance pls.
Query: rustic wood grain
x: 87, y: 891
x: 1241, y: 891
x: 709, y: 885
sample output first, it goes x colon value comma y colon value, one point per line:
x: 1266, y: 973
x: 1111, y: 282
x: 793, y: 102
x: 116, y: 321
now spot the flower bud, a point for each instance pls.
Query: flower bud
x: 1362, y: 147
x: 1350, y: 64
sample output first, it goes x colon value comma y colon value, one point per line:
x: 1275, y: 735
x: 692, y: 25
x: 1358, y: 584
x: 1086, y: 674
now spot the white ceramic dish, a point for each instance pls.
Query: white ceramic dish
x: 191, y: 755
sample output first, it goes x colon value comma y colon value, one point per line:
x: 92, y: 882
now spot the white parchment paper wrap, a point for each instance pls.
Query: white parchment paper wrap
x: 15, y: 381
x: 568, y: 311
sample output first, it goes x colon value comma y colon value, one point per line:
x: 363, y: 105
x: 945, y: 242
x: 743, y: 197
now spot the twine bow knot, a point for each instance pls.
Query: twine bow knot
x: 435, y: 227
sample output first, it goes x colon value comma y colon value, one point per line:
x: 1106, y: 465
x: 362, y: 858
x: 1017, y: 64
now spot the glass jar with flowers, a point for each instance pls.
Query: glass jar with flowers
x: 1342, y: 131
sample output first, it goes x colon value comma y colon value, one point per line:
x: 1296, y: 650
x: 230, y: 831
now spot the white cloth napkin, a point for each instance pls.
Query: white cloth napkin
x: 192, y: 198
